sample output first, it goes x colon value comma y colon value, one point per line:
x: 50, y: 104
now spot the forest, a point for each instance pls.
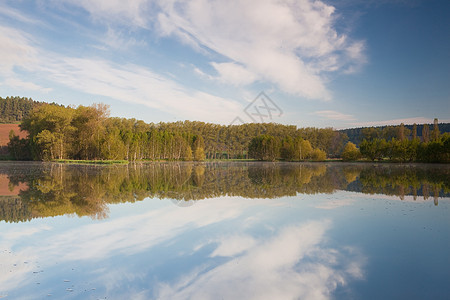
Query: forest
x: 88, y: 133
x: 14, y: 109
x: 56, y: 132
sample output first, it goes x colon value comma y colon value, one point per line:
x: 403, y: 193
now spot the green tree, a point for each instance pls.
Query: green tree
x: 350, y: 152
x: 19, y: 148
x: 371, y: 133
x: 318, y: 155
x: 435, y: 133
x: 425, y: 133
x: 50, y: 131
x: 373, y: 149
x: 199, y: 148
x: 264, y: 147
x: 288, y: 149
x: 303, y: 149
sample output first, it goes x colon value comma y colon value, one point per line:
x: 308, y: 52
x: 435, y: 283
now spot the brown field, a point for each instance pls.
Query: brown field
x: 4, y: 133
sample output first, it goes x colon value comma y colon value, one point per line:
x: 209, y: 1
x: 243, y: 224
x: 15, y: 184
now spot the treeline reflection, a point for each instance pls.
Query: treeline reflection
x: 48, y: 189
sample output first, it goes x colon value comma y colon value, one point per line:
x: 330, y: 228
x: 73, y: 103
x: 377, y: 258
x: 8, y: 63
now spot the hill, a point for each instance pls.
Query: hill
x: 14, y: 109
x: 4, y: 135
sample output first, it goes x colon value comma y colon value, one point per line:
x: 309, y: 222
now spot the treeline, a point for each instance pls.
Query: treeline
x: 270, y: 148
x: 407, y: 147
x: 357, y: 135
x: 88, y: 133
x: 15, y: 109
x: 57, y: 132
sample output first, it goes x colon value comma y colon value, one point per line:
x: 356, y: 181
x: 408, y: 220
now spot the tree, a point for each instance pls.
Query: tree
x: 350, y: 152
x: 199, y: 148
x: 88, y: 122
x: 15, y: 109
x: 435, y: 133
x: 19, y: 148
x: 287, y: 149
x: 371, y: 133
x: 187, y: 155
x: 303, y: 149
x: 401, y: 132
x: 414, y: 131
x: 199, y: 154
x: 50, y: 131
x: 264, y: 147
x: 318, y: 155
x: 373, y: 149
x: 426, y: 133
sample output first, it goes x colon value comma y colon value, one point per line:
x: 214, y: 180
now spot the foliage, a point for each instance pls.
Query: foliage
x: 408, y: 150
x: 19, y: 148
x: 318, y: 155
x: 264, y: 147
x: 350, y: 153
x: 88, y: 133
x: 422, y: 132
x: 15, y: 109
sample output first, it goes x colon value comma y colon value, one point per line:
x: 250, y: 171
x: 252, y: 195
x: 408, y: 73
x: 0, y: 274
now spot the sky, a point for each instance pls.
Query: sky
x: 340, y: 64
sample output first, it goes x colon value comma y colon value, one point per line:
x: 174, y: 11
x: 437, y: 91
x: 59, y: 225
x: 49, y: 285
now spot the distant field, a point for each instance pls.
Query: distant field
x: 4, y: 133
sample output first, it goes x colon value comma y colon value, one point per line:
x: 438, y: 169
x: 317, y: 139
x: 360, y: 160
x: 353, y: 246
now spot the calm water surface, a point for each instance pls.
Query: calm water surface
x: 224, y: 231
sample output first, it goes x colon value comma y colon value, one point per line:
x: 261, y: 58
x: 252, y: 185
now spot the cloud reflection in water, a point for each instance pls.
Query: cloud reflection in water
x: 277, y: 262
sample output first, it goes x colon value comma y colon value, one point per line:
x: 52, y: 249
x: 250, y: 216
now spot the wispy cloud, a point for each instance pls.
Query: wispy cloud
x: 128, y: 83
x: 333, y: 115
x: 234, y: 74
x: 16, y: 15
x: 136, y: 84
x: 24, y: 85
x: 292, y: 264
x: 129, y: 12
x: 16, y: 50
x: 294, y: 50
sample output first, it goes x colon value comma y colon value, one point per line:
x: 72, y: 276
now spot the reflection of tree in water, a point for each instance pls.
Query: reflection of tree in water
x: 405, y: 180
x: 85, y: 190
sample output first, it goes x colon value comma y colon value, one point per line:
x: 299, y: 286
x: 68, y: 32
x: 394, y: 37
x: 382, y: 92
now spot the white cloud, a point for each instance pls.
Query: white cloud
x: 290, y: 265
x: 231, y: 246
x: 16, y: 50
x: 136, y: 234
x: 24, y: 85
x: 12, y: 236
x: 119, y: 41
x: 291, y: 44
x: 333, y: 115
x: 234, y: 74
x: 136, y: 84
x: 129, y: 83
x: 293, y: 262
x: 337, y: 203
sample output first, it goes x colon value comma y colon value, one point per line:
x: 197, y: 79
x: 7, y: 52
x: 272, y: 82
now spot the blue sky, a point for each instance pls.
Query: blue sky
x: 341, y: 64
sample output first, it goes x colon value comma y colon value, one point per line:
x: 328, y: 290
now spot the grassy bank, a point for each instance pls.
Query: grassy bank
x: 94, y: 162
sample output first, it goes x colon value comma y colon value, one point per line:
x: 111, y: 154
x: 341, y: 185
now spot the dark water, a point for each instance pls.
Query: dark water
x: 225, y: 231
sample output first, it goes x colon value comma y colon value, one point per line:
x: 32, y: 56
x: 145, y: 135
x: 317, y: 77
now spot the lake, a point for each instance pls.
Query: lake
x: 243, y: 230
